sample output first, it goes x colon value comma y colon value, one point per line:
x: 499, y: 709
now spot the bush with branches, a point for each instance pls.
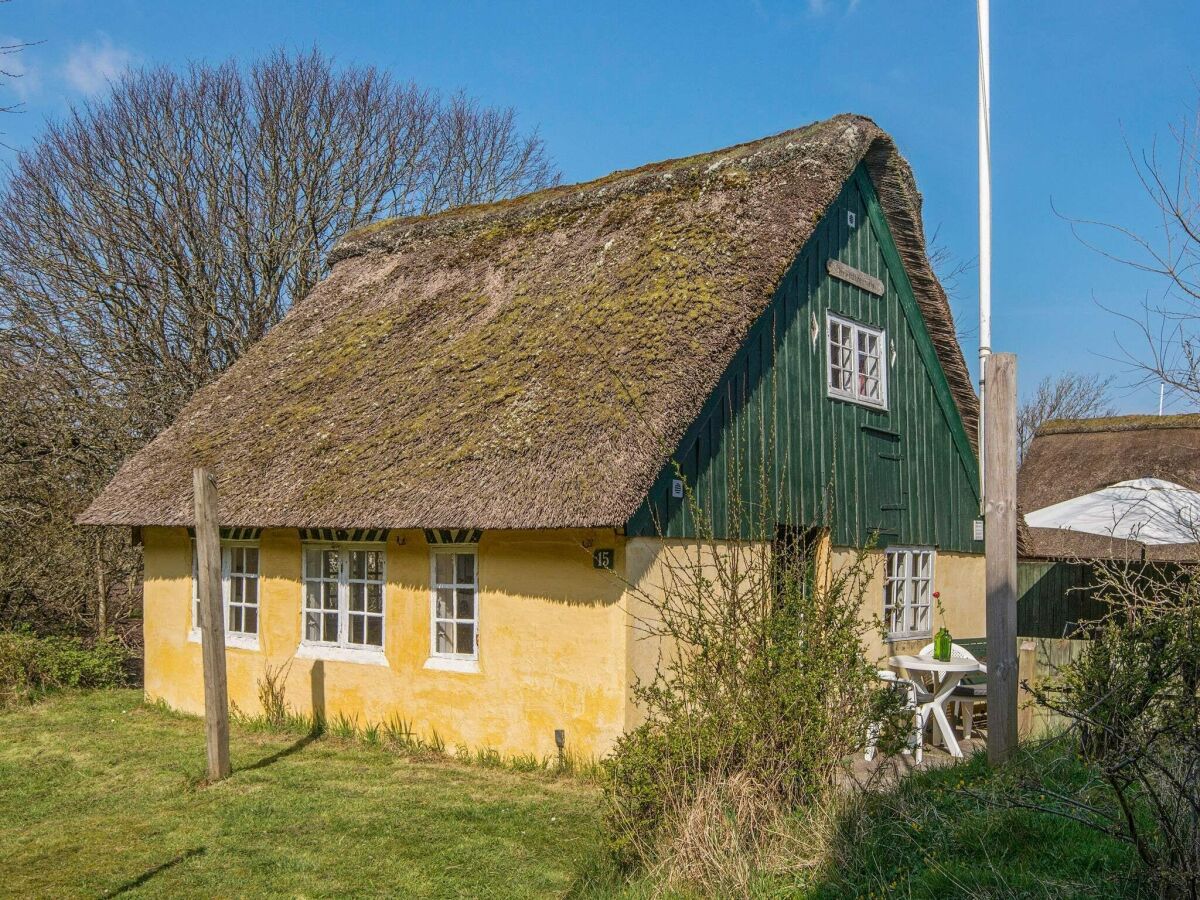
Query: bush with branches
x: 1134, y: 697
x: 762, y: 691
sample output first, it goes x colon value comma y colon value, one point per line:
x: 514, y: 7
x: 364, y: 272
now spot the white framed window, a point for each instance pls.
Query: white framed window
x: 908, y: 591
x: 857, y: 370
x: 239, y: 591
x: 344, y: 589
x: 454, y: 632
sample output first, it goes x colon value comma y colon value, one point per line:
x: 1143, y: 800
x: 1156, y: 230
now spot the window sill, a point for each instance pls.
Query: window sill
x: 859, y: 401
x: 359, y: 655
x: 452, y: 664
x: 909, y: 636
x: 232, y: 641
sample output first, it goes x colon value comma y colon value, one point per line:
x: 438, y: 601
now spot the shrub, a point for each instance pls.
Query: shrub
x: 1134, y: 696
x: 272, y: 694
x: 762, y: 691
x: 30, y: 665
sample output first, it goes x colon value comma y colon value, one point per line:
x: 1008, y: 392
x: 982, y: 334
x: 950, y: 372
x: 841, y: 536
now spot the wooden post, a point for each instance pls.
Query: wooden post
x: 212, y: 624
x: 1026, y: 673
x: 1000, y: 547
x: 101, y: 589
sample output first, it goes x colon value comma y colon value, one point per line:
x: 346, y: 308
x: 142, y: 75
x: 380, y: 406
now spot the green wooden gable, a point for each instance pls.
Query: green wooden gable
x: 771, y: 444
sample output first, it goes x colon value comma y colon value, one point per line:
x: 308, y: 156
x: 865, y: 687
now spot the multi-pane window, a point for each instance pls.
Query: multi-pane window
x: 242, y: 581
x: 455, y: 604
x: 908, y: 591
x: 343, y: 596
x: 239, y: 587
x: 322, y: 577
x: 856, y: 362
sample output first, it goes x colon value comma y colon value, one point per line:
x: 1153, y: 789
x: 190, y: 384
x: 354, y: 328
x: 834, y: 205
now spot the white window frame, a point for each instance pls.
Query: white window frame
x: 910, y: 586
x: 857, y: 372
x: 342, y: 648
x: 244, y: 640
x: 458, y: 661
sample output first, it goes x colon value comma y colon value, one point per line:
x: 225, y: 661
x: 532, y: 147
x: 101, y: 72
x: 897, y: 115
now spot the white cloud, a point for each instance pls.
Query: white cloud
x: 820, y: 7
x: 90, y: 67
x: 17, y: 76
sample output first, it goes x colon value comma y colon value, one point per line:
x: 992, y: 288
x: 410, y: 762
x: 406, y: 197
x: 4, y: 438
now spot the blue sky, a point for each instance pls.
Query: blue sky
x: 616, y: 84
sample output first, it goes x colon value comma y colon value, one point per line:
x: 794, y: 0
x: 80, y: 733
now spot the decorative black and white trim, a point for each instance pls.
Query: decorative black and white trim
x: 345, y: 535
x: 453, y: 535
x: 233, y: 534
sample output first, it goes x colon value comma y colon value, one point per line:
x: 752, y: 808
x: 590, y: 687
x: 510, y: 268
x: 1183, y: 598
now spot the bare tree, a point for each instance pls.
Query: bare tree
x: 1067, y: 396
x: 149, y: 238
x: 1167, y: 350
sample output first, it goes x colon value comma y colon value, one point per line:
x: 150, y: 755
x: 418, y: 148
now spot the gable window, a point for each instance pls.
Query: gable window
x: 455, y: 617
x: 856, y: 365
x: 343, y: 596
x: 239, y: 592
x: 908, y: 592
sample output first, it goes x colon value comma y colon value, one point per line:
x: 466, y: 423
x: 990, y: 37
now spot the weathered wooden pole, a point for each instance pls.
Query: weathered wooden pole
x: 212, y: 623
x: 101, y: 589
x: 1000, y: 548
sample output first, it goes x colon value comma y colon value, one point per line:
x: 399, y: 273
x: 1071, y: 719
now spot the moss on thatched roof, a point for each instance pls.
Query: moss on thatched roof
x: 1119, y: 423
x: 521, y: 364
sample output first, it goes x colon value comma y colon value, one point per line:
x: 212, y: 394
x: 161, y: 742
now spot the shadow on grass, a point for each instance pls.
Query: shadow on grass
x: 135, y: 883
x: 287, y: 751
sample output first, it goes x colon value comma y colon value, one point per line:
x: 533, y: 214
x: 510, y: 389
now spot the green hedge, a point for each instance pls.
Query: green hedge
x: 31, y: 665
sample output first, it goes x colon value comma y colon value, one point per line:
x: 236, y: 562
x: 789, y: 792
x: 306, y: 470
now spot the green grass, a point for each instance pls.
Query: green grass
x: 953, y: 832
x: 950, y: 833
x: 101, y: 794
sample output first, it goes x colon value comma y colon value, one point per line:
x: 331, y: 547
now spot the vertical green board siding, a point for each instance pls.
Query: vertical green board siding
x: 1054, y: 597
x: 770, y: 441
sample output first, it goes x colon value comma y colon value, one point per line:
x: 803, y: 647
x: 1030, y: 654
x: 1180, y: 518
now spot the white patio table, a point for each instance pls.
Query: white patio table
x: 947, y: 674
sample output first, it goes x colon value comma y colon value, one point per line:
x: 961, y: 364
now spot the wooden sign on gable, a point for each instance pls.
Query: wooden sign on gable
x: 856, y: 277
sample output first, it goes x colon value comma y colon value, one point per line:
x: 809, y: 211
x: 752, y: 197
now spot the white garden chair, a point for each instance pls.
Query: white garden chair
x: 916, y: 695
x: 965, y: 696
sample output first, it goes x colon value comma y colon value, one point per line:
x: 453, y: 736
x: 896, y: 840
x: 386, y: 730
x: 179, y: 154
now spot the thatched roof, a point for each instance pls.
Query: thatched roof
x: 1069, y: 458
x: 523, y: 364
x: 1059, y: 543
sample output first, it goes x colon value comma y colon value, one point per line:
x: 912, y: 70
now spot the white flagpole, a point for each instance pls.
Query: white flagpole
x: 985, y: 218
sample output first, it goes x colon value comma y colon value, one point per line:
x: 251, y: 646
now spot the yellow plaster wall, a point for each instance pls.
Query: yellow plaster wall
x: 560, y: 642
x: 552, y: 632
x: 958, y: 577
x: 652, y: 565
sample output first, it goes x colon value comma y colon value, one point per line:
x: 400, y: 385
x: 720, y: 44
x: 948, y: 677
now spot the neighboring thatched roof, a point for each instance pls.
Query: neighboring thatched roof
x: 523, y: 364
x: 1059, y: 543
x: 1069, y: 458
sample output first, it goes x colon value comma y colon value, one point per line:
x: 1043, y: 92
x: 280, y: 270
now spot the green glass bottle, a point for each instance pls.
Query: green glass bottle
x: 942, y: 643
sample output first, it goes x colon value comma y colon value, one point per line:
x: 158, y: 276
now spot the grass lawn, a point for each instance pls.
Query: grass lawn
x: 952, y: 832
x: 101, y: 795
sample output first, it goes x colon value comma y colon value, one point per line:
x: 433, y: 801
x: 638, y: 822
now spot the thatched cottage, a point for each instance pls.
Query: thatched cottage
x: 441, y: 472
x: 1121, y: 487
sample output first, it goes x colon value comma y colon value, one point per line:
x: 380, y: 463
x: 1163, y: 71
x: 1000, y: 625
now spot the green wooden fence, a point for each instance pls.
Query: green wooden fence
x: 1053, y: 597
